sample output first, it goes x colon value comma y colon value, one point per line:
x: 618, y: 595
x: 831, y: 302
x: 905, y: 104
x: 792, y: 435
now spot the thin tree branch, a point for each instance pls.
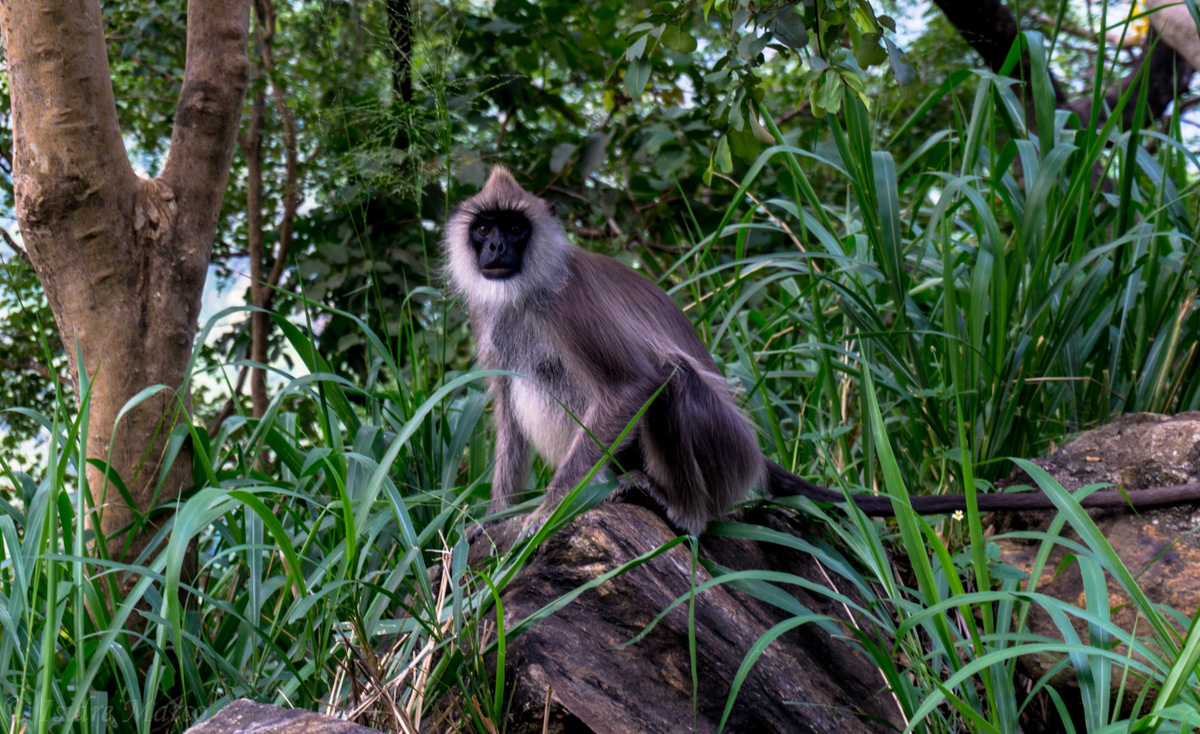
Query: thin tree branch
x: 400, y: 28
x: 37, y: 367
x: 261, y: 290
x: 12, y: 244
x: 1112, y: 38
x: 991, y: 29
x: 291, y: 183
x: 251, y: 143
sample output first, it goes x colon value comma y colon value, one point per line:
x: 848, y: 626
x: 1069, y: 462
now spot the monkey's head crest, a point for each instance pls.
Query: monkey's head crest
x: 543, y: 264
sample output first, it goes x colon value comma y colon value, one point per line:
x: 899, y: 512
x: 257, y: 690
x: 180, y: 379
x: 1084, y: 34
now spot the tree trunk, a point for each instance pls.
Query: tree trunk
x: 991, y: 30
x: 122, y: 259
x: 399, y: 15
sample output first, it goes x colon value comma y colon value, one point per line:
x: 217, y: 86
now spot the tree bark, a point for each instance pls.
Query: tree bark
x: 1174, y: 21
x: 251, y: 145
x: 122, y: 258
x: 991, y: 30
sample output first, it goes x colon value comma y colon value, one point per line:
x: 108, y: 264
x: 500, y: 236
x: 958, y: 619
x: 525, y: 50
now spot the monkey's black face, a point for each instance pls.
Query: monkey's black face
x: 499, y: 239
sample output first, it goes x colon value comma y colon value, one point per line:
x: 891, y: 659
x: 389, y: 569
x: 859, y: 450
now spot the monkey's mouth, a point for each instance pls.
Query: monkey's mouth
x: 498, y: 273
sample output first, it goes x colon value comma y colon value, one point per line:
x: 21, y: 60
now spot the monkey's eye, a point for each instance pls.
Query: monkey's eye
x: 515, y: 229
x: 484, y: 228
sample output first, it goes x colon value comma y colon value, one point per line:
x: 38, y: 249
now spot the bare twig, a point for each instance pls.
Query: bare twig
x: 588, y: 233
x: 567, y: 192
x: 1187, y: 104
x: 508, y: 116
x: 1112, y: 38
x: 37, y: 367
x: 291, y: 181
x: 262, y: 287
x: 1092, y: 380
x: 778, y: 222
x: 12, y: 244
x: 800, y: 110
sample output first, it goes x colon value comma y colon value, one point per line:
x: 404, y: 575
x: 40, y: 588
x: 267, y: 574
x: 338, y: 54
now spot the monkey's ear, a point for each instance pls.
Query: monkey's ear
x: 553, y: 209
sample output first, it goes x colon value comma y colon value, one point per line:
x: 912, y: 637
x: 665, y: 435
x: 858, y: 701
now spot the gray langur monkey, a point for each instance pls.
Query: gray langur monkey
x: 598, y: 339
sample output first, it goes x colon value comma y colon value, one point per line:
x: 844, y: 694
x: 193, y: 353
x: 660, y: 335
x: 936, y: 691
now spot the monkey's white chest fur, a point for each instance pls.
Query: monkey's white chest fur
x: 543, y: 421
x: 542, y: 400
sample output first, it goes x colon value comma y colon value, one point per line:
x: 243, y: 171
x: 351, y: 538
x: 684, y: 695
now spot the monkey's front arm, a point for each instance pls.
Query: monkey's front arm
x: 604, y: 421
x: 512, y: 450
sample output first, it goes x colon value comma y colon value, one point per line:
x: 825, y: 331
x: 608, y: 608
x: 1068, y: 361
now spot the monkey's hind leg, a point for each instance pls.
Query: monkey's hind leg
x: 698, y: 449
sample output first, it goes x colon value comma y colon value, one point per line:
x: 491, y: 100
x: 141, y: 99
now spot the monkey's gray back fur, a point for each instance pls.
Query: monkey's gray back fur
x: 602, y: 339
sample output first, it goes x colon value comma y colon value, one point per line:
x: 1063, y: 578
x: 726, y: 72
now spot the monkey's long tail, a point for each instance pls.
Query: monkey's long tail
x: 782, y: 482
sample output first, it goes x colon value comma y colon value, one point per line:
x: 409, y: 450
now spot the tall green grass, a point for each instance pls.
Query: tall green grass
x: 334, y: 578
x: 940, y: 320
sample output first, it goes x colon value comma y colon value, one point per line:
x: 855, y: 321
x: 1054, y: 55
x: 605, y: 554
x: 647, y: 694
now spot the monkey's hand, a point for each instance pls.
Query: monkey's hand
x: 534, y: 521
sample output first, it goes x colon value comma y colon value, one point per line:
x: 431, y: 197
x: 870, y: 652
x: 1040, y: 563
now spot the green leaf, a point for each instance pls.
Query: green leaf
x: 724, y: 160
x: 759, y: 132
x: 867, y: 51
x: 789, y: 28
x: 828, y: 95
x: 736, y: 120
x: 637, y: 48
x: 744, y: 145
x: 752, y: 45
x: 636, y: 77
x: 594, y: 150
x: 678, y: 40
x: 901, y: 69
x: 561, y: 156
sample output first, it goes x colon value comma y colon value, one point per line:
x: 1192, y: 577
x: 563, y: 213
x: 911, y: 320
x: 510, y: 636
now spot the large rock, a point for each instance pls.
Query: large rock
x: 1157, y: 546
x: 246, y: 717
x: 806, y: 681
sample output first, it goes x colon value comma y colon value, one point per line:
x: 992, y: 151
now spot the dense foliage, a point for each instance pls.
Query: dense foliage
x: 909, y: 287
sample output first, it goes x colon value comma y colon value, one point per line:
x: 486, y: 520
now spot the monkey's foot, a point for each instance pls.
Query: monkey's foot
x: 632, y: 481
